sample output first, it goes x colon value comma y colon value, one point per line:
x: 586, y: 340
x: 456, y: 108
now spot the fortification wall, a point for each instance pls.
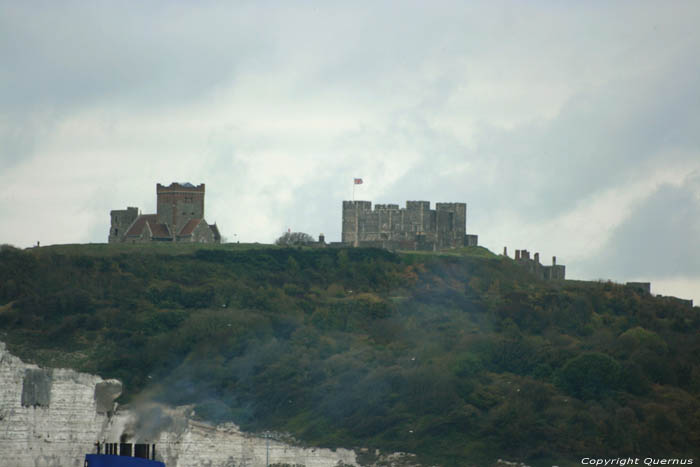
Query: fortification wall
x: 443, y: 227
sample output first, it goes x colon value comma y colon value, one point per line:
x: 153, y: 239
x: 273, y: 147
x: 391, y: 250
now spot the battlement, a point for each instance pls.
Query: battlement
x: 385, y: 207
x: 127, y: 212
x: 414, y: 227
x: 361, y: 205
x: 175, y: 187
x: 417, y: 205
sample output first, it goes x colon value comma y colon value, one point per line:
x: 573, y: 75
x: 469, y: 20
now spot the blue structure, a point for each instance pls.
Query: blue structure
x: 123, y: 455
x: 110, y: 460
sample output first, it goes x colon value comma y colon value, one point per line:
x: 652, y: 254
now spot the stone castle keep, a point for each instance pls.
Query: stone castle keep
x: 415, y: 227
x: 179, y: 218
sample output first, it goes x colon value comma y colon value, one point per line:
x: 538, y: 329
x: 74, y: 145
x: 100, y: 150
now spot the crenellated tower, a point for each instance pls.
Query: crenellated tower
x: 178, y: 203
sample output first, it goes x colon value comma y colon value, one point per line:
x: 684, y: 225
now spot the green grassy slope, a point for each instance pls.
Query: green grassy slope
x: 457, y: 357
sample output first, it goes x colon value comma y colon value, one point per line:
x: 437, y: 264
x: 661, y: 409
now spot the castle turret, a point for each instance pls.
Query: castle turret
x: 451, y: 224
x: 178, y: 203
x: 352, y: 214
x: 418, y: 216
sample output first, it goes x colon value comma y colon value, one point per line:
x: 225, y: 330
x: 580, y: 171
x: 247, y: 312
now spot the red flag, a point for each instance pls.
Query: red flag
x: 358, y: 181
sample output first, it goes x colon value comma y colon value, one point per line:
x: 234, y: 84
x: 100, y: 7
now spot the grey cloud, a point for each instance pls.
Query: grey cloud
x: 151, y: 54
x: 19, y: 138
x: 83, y: 57
x: 658, y: 240
x: 317, y: 209
x: 600, y: 138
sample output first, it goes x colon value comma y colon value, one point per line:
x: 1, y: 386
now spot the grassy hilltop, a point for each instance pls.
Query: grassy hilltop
x: 457, y: 357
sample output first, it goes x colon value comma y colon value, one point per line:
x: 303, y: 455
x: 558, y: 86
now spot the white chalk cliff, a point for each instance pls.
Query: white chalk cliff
x: 53, y: 417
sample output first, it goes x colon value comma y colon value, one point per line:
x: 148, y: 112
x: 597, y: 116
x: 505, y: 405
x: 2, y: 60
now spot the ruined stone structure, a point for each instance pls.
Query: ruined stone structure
x: 533, y: 266
x: 415, y: 227
x: 642, y: 287
x: 179, y: 218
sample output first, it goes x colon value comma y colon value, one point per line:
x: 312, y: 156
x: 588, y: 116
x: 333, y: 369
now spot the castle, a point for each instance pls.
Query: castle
x: 179, y: 218
x: 415, y: 227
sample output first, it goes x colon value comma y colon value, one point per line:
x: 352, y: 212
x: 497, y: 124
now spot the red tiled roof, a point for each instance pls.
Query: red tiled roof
x: 189, y: 227
x: 159, y: 230
x: 139, y: 224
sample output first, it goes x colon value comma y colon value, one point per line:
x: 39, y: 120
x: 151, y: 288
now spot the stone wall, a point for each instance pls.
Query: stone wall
x: 555, y: 272
x: 471, y: 240
x: 417, y: 224
x: 451, y: 224
x: 176, y: 204
x: 202, y: 233
x: 121, y: 219
x: 353, y: 211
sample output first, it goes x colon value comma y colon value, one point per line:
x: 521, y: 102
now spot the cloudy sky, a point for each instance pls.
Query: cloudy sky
x: 568, y: 128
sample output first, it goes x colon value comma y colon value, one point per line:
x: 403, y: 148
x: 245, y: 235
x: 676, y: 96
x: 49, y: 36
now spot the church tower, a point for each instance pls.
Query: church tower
x: 179, y: 203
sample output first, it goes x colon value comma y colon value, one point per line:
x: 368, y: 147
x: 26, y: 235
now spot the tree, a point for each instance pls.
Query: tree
x: 294, y: 239
x: 589, y: 375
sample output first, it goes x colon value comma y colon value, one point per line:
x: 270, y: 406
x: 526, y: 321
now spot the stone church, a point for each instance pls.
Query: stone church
x: 179, y: 217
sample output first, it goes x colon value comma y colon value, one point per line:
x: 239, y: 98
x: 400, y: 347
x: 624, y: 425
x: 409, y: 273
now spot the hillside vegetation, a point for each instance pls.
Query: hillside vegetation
x: 460, y: 358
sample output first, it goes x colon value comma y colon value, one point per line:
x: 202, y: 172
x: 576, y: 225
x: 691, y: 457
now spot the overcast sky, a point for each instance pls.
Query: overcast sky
x: 568, y: 128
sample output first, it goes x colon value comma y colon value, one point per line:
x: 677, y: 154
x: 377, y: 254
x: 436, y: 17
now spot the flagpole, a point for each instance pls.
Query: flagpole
x: 353, y: 190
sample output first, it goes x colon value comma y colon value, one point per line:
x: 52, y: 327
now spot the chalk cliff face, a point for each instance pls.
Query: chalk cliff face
x: 48, y: 417
x: 53, y: 417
